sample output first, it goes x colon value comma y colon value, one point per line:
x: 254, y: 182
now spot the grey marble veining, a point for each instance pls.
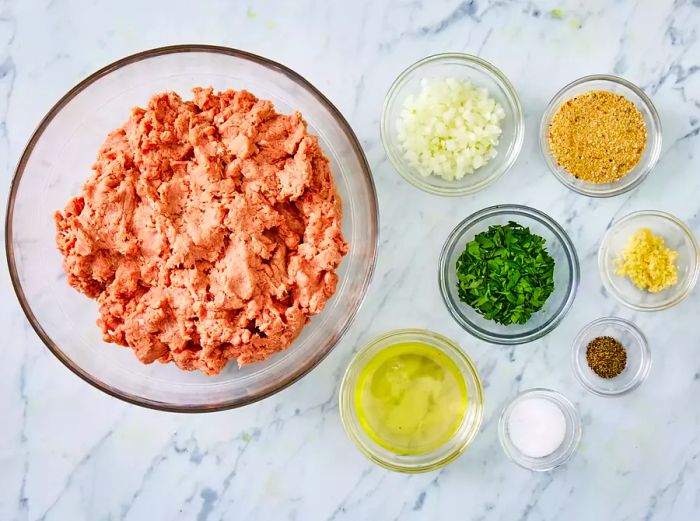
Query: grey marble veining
x: 69, y: 452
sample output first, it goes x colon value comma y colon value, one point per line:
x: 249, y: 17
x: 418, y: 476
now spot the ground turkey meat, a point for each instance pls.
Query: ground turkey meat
x: 210, y: 230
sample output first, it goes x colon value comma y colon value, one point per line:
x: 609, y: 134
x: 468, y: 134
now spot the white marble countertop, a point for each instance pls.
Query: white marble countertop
x: 69, y: 452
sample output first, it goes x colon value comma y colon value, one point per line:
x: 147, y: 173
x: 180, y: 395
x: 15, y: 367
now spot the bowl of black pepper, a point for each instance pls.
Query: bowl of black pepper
x: 611, y: 357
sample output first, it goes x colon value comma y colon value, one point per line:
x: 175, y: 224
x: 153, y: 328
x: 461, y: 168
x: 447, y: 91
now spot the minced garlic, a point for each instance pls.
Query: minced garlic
x: 647, y: 262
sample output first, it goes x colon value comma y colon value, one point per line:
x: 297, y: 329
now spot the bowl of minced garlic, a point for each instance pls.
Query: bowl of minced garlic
x: 601, y: 135
x: 649, y: 260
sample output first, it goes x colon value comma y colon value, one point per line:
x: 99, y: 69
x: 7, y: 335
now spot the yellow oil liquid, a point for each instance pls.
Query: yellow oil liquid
x: 410, y: 398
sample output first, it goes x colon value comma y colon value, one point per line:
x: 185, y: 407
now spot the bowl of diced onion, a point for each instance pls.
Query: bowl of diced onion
x: 452, y: 124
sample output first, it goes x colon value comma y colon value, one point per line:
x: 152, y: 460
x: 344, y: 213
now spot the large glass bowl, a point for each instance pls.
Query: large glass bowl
x: 566, y: 274
x: 482, y: 74
x: 57, y: 162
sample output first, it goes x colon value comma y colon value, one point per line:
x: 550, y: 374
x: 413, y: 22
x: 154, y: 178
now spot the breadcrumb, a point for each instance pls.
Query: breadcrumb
x: 598, y: 137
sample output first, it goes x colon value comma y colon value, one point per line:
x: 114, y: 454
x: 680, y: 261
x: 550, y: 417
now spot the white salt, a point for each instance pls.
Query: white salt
x: 537, y: 427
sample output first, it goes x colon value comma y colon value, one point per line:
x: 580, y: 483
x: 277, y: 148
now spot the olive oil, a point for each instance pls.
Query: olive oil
x: 411, y: 398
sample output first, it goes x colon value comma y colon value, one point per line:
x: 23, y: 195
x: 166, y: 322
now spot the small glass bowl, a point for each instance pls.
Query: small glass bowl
x: 418, y: 462
x: 566, y: 274
x: 566, y: 450
x: 677, y: 236
x: 651, y: 152
x: 482, y: 74
x: 638, y: 357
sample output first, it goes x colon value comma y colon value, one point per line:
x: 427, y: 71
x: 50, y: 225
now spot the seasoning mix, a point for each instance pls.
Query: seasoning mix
x: 598, y: 136
x: 606, y: 356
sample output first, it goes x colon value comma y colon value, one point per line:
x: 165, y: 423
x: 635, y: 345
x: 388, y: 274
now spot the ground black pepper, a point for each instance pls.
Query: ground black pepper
x: 606, y: 356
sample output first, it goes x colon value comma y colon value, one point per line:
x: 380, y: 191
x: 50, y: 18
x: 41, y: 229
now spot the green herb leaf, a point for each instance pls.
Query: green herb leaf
x: 505, y: 274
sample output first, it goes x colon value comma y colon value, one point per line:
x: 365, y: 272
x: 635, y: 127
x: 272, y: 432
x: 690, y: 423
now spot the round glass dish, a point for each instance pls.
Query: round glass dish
x: 419, y: 462
x: 561, y: 455
x: 566, y: 274
x: 638, y: 357
x: 58, y: 160
x: 482, y: 74
x: 651, y: 152
x: 677, y: 236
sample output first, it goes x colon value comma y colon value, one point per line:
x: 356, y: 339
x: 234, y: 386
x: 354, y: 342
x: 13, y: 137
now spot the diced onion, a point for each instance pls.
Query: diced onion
x: 450, y: 128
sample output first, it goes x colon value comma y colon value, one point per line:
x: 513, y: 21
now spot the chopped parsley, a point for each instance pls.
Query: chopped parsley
x: 505, y: 274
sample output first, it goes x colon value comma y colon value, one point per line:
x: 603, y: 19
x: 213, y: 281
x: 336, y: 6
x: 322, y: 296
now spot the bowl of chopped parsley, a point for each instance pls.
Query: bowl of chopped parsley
x: 508, y: 274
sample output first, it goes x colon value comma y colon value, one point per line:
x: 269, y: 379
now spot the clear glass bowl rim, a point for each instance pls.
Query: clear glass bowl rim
x: 641, y: 338
x: 564, y: 403
x: 81, y: 86
x: 492, y: 71
x: 345, y: 395
x: 655, y: 138
x: 605, y: 277
x: 569, y: 249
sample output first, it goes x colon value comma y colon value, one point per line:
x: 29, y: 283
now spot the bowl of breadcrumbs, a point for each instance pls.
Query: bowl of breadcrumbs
x: 601, y: 136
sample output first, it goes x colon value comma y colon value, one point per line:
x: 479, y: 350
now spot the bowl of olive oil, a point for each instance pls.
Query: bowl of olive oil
x: 411, y: 400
